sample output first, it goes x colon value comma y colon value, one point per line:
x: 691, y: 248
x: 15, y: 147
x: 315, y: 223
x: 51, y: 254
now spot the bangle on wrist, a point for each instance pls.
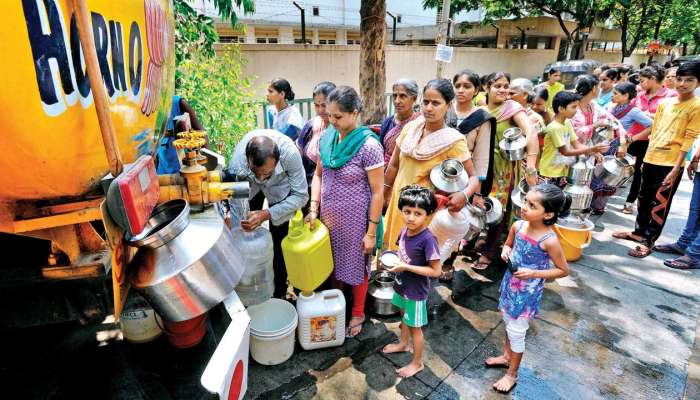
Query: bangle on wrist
x: 374, y: 222
x: 386, y: 185
x: 313, y: 201
x: 370, y: 235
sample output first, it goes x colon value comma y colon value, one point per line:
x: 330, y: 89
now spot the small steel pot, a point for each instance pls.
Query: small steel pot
x: 581, y: 172
x: 603, y: 135
x: 615, y: 171
x: 381, y: 290
x: 476, y: 220
x: 517, y: 196
x: 449, y: 176
x: 514, y: 144
x: 581, y: 196
x: 493, y: 212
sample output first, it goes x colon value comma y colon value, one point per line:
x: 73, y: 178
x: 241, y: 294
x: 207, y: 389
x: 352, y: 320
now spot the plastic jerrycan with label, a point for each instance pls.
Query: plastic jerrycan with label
x: 307, y: 254
x: 321, y: 319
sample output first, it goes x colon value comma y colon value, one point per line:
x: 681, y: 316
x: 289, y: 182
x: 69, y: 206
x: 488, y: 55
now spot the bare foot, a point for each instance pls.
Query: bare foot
x: 395, y: 348
x: 409, y: 370
x: 497, y: 362
x: 505, y: 384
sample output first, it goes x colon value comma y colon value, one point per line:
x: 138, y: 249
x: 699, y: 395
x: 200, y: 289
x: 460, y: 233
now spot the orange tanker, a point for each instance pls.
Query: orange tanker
x: 53, y: 155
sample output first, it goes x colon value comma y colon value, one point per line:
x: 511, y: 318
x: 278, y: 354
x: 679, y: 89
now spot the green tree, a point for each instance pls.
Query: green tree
x: 372, y: 60
x: 221, y: 95
x: 682, y: 24
x: 583, y: 12
x: 214, y: 85
x: 635, y: 19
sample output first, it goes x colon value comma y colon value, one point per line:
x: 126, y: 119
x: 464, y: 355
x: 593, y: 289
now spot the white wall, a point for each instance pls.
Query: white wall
x: 304, y: 66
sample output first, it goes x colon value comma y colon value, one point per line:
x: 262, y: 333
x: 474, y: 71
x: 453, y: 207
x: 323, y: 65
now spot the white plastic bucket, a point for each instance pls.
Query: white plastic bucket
x: 140, y: 324
x: 272, y: 331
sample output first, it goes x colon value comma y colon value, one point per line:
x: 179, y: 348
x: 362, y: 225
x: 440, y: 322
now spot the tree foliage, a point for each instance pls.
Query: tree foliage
x: 221, y: 95
x: 214, y: 85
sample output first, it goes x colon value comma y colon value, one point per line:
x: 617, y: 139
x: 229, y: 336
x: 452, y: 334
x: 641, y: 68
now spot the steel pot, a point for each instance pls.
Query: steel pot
x: 514, y: 144
x: 615, y: 171
x: 185, y: 264
x: 517, y: 196
x: 476, y: 221
x: 381, y: 290
x: 493, y: 214
x: 581, y: 172
x: 581, y: 196
x: 603, y: 135
x: 449, y: 176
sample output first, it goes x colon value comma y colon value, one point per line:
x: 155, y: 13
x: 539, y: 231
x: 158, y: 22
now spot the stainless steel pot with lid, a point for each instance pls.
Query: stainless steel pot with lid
x: 449, y: 176
x: 514, y: 144
x: 185, y: 264
x: 381, y: 290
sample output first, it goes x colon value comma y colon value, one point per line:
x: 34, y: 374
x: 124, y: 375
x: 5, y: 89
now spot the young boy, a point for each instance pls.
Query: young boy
x: 561, y: 143
x: 420, y: 261
x: 676, y: 125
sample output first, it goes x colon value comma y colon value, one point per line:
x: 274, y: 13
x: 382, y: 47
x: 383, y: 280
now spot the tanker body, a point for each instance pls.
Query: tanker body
x: 55, y: 259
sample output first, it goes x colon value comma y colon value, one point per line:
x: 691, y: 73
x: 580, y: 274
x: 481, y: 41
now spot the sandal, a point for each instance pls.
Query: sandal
x: 626, y: 236
x: 640, y: 251
x: 668, y: 249
x: 447, y: 274
x: 481, y: 265
x: 348, y: 331
x: 627, y: 209
x: 683, y: 263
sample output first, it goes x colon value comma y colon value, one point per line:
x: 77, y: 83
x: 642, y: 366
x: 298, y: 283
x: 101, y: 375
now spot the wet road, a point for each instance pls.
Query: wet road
x: 617, y: 328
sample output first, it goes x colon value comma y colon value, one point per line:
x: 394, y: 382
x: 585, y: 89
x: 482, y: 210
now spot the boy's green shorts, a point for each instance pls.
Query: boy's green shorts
x: 415, y: 312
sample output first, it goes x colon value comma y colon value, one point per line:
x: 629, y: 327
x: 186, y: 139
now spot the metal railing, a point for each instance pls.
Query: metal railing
x: 306, y: 107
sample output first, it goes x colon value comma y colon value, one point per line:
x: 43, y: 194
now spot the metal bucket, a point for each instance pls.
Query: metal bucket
x: 185, y: 265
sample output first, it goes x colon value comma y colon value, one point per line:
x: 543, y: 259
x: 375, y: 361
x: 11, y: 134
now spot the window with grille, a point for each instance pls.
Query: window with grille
x: 315, y: 11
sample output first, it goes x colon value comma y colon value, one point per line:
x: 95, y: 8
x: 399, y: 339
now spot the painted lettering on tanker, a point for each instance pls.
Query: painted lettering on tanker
x: 60, y: 65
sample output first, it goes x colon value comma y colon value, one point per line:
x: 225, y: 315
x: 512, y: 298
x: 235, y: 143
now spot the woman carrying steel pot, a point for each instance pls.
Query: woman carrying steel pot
x: 423, y: 144
x: 589, y: 119
x: 506, y: 173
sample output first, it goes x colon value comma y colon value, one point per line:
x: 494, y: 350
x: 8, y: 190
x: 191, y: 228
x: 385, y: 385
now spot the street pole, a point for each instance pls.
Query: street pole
x: 393, y: 29
x: 443, y: 17
x: 303, y: 22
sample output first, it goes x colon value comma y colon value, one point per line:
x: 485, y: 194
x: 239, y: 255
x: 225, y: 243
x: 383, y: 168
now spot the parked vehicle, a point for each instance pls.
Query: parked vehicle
x: 570, y: 70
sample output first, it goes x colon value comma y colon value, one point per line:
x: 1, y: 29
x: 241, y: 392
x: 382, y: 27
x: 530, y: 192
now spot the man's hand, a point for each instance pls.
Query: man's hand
x: 255, y: 218
x: 671, y: 177
x: 691, y: 169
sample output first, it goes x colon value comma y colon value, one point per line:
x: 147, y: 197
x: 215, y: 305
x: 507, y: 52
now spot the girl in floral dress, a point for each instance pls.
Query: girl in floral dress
x: 531, y: 244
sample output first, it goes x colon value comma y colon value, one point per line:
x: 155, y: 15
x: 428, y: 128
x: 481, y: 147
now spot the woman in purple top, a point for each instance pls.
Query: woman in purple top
x: 347, y: 185
x: 404, y: 95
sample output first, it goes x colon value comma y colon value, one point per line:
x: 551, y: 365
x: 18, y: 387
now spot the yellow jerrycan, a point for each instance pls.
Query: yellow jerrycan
x: 307, y: 254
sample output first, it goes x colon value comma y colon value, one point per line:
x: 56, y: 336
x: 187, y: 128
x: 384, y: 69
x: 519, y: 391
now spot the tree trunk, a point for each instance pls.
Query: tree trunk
x: 372, y: 60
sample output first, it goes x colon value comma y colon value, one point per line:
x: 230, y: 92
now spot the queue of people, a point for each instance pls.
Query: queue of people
x: 374, y: 191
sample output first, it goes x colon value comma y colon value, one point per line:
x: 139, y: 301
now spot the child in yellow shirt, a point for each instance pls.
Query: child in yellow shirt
x: 561, y: 146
